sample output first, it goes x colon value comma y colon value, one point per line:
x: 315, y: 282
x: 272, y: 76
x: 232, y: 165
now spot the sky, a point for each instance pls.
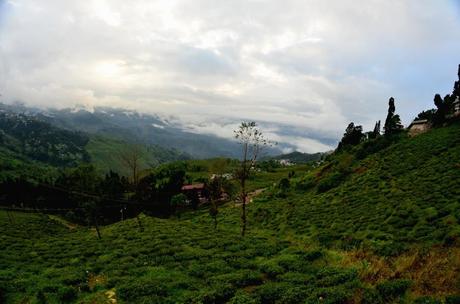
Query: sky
x: 303, y: 69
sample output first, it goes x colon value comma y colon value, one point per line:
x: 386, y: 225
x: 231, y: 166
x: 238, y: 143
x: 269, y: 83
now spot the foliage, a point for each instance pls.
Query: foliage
x: 393, y: 121
x: 170, y: 262
x: 105, y: 154
x: 353, y: 136
x: 40, y: 141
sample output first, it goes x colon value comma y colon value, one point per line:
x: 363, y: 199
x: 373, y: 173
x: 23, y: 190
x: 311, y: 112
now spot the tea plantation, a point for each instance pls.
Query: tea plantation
x: 378, y: 223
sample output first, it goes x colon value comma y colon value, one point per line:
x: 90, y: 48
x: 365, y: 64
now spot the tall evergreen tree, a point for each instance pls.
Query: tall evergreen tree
x: 456, y: 92
x: 376, y: 132
x: 393, y: 121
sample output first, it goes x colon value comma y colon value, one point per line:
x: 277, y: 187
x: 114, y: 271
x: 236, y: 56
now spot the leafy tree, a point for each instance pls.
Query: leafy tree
x: 283, y: 187
x: 215, y: 193
x: 178, y: 200
x: 353, y: 135
x: 393, y: 121
x: 131, y: 158
x: 456, y: 91
x: 158, y: 188
x: 428, y: 115
x: 252, y: 141
x: 114, y: 186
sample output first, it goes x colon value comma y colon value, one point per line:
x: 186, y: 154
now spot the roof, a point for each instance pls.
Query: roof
x: 418, y: 122
x: 193, y: 187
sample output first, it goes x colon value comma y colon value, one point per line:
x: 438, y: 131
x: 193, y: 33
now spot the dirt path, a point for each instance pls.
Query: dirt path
x: 62, y: 221
x: 250, y: 196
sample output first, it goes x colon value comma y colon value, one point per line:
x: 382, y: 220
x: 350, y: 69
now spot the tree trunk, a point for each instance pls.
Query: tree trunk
x: 243, y: 190
x: 243, y: 216
x: 215, y: 222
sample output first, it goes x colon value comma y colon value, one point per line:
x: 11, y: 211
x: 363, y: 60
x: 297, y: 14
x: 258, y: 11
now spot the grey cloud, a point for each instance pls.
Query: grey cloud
x: 307, y: 66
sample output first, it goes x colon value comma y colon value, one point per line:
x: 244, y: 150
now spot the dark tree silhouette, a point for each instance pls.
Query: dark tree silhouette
x: 353, y: 135
x: 442, y: 110
x: 456, y: 91
x: 376, y: 132
x: 393, y: 121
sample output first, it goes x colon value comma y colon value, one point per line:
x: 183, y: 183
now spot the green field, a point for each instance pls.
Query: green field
x: 174, y: 261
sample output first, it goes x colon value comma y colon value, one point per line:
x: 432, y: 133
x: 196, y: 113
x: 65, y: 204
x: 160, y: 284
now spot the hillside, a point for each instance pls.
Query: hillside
x: 105, y: 154
x: 38, y: 140
x: 145, y: 129
x: 406, y: 193
x: 29, y: 143
x: 378, y: 223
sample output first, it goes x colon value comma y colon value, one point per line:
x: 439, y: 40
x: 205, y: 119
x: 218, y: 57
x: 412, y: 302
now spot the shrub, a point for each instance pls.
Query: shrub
x: 240, y: 278
x: 141, y: 287
x: 453, y: 299
x: 66, y: 294
x: 333, y: 295
x: 392, y: 289
x: 242, y: 297
x: 371, y: 296
x: 388, y: 248
x: 271, y: 268
x: 334, y: 276
x: 305, y: 183
x: 313, y: 255
x: 427, y: 300
x: 330, y: 181
x: 216, y: 293
x: 271, y: 292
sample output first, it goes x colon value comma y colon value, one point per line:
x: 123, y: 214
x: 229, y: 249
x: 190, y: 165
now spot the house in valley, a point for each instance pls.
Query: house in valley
x: 418, y: 127
x: 195, y: 193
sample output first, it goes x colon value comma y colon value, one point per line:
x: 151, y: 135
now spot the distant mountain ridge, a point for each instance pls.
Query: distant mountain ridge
x: 139, y: 128
x: 30, y: 139
x: 41, y: 141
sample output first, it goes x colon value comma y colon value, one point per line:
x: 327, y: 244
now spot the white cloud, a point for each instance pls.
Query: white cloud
x: 309, y: 64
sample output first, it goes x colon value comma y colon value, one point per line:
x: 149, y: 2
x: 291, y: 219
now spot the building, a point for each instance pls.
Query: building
x: 195, y: 193
x: 457, y: 106
x: 418, y: 127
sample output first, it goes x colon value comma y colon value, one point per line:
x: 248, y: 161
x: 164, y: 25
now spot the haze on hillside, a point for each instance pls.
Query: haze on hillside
x: 302, y: 69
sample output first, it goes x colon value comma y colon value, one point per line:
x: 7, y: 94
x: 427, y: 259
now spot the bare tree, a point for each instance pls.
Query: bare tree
x: 252, y: 142
x: 131, y: 158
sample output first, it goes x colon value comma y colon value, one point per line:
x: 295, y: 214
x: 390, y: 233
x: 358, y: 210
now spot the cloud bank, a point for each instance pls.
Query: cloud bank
x: 302, y: 68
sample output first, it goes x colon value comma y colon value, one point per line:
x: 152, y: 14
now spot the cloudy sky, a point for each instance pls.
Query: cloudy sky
x: 302, y: 68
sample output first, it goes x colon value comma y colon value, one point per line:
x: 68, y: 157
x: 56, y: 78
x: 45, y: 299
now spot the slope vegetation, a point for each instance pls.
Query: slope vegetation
x: 378, y: 223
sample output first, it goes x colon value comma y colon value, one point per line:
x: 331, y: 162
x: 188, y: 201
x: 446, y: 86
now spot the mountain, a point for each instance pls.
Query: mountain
x: 41, y: 141
x: 146, y: 129
x: 30, y: 139
x: 299, y: 157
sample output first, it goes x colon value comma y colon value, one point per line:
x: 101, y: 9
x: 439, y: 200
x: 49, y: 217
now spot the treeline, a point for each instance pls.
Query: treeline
x: 445, y: 109
x: 83, y: 195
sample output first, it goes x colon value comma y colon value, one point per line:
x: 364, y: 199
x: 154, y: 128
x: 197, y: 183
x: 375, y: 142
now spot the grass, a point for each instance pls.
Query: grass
x: 170, y: 262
